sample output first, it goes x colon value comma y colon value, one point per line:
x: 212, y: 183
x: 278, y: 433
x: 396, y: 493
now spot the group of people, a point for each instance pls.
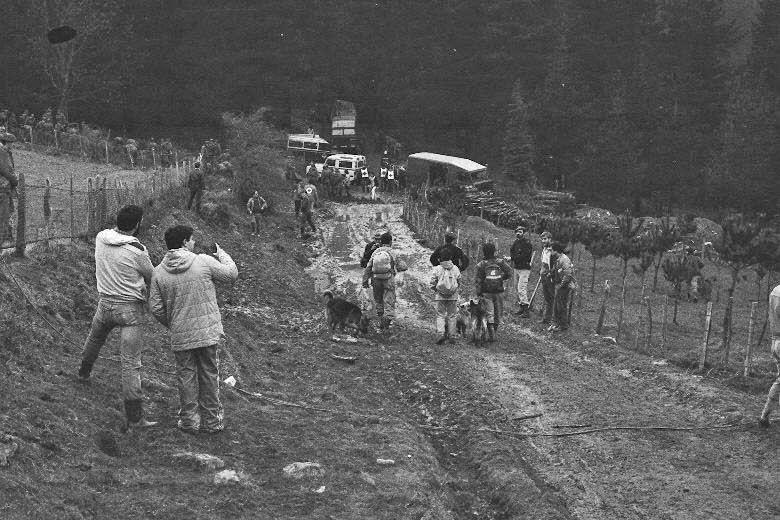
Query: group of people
x: 181, y: 295
x: 492, y: 272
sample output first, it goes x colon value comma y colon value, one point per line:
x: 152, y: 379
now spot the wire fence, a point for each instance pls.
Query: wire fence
x: 66, y: 211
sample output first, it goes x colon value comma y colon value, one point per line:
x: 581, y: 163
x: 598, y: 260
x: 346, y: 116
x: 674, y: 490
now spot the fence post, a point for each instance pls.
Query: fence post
x: 727, y: 328
x: 705, y: 344
x: 749, y: 349
x: 90, y: 208
x: 664, y: 346
x: 649, y: 327
x: 603, y: 310
x: 106, y: 143
x: 72, y: 213
x: 640, y: 318
x: 47, y: 210
x: 21, y: 212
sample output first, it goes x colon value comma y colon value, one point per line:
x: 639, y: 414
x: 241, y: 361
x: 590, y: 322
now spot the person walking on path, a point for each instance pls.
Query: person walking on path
x: 380, y: 271
x: 522, y: 255
x: 305, y: 198
x: 773, y: 397
x: 545, y: 274
x: 197, y: 185
x: 457, y: 256
x: 563, y: 279
x: 445, y: 283
x: 491, y: 273
x: 123, y: 270
x: 8, y: 183
x: 183, y: 298
x: 256, y: 206
x: 369, y: 249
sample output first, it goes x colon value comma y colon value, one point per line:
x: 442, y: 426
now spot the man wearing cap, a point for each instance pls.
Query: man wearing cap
x: 456, y: 254
x: 370, y: 248
x: 546, y: 275
x: 8, y: 182
x: 522, y: 255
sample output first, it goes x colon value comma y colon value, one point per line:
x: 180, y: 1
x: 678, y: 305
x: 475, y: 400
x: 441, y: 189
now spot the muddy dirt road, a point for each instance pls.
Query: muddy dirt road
x: 668, y: 444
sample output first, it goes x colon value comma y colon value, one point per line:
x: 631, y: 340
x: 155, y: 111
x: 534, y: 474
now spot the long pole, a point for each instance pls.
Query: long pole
x: 749, y: 348
x: 705, y: 344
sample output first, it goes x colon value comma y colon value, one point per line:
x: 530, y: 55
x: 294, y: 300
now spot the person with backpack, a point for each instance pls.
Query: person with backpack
x: 380, y: 271
x: 457, y: 256
x: 197, y: 185
x: 563, y: 280
x: 369, y: 249
x: 491, y: 273
x: 304, y: 202
x: 256, y: 206
x: 445, y: 283
x: 522, y: 256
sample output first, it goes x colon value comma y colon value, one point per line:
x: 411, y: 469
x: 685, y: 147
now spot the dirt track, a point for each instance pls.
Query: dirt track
x: 459, y: 391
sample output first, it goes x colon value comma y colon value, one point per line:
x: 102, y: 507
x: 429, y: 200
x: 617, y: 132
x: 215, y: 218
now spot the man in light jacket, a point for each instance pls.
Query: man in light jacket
x: 445, y: 283
x: 774, y: 322
x: 183, y: 298
x: 123, y: 269
x: 381, y: 269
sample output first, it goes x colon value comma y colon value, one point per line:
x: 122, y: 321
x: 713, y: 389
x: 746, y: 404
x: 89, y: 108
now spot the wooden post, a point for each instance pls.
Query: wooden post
x: 47, y: 211
x: 90, y: 209
x: 640, y: 318
x: 603, y: 310
x: 21, y: 213
x: 705, y: 344
x: 622, y: 308
x: 457, y: 242
x: 106, y: 143
x: 664, y: 345
x: 727, y: 328
x: 72, y: 212
x: 649, y: 325
x: 749, y: 348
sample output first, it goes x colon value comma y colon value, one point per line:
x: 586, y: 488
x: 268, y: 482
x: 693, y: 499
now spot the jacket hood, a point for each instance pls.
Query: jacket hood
x: 447, y: 264
x: 178, y: 260
x: 112, y: 237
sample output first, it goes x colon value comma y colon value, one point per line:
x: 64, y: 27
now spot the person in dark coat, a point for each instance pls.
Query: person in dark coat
x: 370, y: 248
x: 522, y: 255
x: 457, y: 255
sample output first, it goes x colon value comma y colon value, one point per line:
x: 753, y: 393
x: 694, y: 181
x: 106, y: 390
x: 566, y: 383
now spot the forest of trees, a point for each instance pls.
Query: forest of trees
x: 651, y: 105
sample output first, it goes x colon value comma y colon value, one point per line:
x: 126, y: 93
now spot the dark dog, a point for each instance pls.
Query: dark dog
x: 478, y: 320
x: 342, y: 313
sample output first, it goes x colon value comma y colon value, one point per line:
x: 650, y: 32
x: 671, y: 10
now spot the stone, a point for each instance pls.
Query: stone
x: 200, y: 460
x: 299, y: 470
x: 227, y: 476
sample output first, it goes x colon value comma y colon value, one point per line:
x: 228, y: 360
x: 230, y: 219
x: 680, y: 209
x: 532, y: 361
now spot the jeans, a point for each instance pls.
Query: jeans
x: 306, y: 217
x: 195, y: 195
x: 384, y: 296
x: 5, y: 214
x: 446, y: 316
x: 522, y: 285
x: 774, y: 391
x: 197, y: 373
x: 548, y: 289
x: 494, y: 307
x: 562, y: 295
x: 129, y: 317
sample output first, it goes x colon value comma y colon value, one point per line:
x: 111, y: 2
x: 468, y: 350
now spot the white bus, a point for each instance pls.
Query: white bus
x: 311, y: 146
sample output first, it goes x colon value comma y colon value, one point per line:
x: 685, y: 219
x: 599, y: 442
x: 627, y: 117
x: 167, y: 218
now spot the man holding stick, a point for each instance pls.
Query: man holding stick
x: 522, y: 255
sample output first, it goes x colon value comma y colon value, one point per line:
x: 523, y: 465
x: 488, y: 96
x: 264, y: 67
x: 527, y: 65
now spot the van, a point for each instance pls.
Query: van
x: 350, y: 166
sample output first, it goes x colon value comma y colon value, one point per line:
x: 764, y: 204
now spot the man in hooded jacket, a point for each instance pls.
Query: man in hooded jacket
x: 445, y: 283
x: 123, y: 269
x: 183, y: 298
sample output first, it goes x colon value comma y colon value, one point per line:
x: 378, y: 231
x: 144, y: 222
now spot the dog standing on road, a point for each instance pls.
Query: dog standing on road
x: 342, y: 313
x: 478, y: 320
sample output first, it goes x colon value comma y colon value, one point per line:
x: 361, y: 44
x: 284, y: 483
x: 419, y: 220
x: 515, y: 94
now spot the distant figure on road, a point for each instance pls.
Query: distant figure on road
x: 491, y: 273
x: 123, y: 270
x: 256, y: 206
x: 380, y: 271
x: 305, y: 196
x: 457, y: 256
x: 197, y: 185
x: 774, y: 322
x: 8, y: 183
x: 522, y: 256
x: 182, y: 297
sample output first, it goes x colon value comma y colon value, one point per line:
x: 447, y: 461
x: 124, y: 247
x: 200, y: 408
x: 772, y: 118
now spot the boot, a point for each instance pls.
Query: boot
x: 524, y: 310
x: 491, y: 328
x: 84, y: 372
x: 134, y: 414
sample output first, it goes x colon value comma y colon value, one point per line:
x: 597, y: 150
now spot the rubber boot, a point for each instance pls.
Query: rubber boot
x: 134, y: 414
x: 491, y: 328
x: 84, y: 372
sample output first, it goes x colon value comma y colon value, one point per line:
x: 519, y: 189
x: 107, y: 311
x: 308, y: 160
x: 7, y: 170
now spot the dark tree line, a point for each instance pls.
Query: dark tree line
x: 631, y: 103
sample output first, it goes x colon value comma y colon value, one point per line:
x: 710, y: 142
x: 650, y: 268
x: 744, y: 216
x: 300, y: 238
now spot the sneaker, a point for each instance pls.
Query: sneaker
x: 552, y: 328
x: 763, y: 422
x: 212, y: 431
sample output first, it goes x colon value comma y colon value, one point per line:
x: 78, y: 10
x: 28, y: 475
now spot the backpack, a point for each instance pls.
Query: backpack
x: 447, y: 285
x: 382, y: 262
x: 494, y: 279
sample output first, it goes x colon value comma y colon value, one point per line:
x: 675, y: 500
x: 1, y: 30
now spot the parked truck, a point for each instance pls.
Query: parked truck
x: 343, y: 127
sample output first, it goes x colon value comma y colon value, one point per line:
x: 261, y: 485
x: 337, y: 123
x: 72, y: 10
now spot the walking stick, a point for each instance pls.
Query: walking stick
x: 533, y: 295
